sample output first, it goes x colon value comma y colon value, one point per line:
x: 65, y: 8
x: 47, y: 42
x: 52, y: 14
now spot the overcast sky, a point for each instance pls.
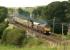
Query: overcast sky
x: 25, y: 3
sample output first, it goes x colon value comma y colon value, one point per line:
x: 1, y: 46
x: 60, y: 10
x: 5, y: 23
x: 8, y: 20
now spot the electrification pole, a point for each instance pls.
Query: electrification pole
x: 63, y: 35
x: 53, y: 24
x: 62, y: 31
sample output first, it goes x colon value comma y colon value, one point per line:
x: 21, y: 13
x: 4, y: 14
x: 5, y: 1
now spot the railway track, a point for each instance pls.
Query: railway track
x: 51, y: 37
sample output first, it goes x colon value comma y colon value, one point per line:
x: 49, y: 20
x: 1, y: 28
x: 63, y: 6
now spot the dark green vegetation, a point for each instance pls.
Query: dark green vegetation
x: 3, y: 26
x: 13, y: 36
x: 3, y: 13
x: 58, y: 29
x: 23, y: 12
x: 59, y: 10
x: 10, y: 11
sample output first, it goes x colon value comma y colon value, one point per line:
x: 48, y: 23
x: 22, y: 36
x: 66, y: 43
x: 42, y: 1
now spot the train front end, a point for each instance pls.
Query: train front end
x: 47, y: 30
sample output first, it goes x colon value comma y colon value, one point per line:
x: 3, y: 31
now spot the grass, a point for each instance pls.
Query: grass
x: 10, y: 47
x: 67, y: 37
x: 34, y: 44
x: 43, y: 46
x: 3, y: 47
x: 31, y: 44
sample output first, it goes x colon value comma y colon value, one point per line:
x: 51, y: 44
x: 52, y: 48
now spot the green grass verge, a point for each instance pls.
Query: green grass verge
x: 10, y: 47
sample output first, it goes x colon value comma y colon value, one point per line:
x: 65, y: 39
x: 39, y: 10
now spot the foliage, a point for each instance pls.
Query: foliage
x: 3, y: 13
x: 23, y: 12
x: 13, y: 36
x: 10, y: 10
x: 3, y: 26
x: 58, y: 29
x: 60, y: 10
x: 39, y: 12
x: 32, y: 41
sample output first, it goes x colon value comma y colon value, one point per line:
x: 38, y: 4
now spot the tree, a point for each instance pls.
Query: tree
x: 23, y: 12
x: 39, y: 12
x: 60, y: 10
x: 3, y: 13
x: 20, y: 11
x: 10, y: 11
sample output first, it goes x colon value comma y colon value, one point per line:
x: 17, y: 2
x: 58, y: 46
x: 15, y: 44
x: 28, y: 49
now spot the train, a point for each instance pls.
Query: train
x: 42, y: 28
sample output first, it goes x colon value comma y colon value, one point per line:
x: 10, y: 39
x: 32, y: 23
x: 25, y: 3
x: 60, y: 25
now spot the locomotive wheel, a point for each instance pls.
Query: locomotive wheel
x: 47, y: 33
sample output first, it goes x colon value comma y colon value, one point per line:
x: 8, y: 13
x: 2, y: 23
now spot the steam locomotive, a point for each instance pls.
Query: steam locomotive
x: 43, y: 28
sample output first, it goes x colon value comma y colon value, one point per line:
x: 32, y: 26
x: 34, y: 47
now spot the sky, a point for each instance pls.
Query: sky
x: 26, y: 3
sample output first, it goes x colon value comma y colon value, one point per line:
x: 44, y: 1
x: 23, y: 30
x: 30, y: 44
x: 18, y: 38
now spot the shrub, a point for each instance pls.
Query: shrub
x: 3, y: 26
x: 32, y: 41
x: 13, y: 36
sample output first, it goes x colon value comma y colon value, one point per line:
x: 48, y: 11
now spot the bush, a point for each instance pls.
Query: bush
x: 32, y: 41
x: 13, y: 36
x: 3, y: 26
